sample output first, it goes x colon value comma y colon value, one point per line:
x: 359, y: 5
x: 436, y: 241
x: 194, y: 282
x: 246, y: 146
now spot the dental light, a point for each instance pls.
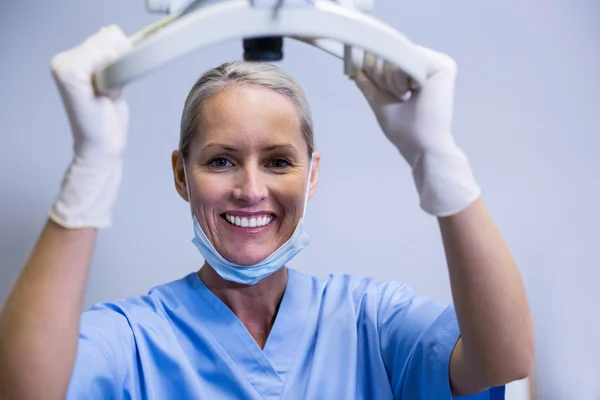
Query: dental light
x: 342, y: 28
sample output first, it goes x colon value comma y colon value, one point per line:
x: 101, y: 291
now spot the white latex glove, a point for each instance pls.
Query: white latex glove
x: 99, y: 125
x: 419, y: 124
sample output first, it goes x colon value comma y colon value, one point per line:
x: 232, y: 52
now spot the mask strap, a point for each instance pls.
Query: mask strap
x: 187, y: 187
x: 310, y: 167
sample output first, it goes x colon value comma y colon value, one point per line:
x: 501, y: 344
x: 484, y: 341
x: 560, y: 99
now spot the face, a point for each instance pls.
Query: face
x: 247, y: 172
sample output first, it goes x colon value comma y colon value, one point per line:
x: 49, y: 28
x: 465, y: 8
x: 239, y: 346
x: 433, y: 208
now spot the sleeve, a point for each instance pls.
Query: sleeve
x: 104, y: 348
x: 417, y: 337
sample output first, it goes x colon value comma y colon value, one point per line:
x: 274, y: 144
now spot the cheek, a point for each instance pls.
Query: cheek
x: 290, y: 194
x: 209, y: 191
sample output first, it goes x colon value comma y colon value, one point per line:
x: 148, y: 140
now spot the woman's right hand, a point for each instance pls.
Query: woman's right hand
x: 40, y: 320
x: 99, y: 125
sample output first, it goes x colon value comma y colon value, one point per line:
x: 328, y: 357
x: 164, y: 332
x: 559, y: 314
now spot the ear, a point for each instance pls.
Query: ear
x: 179, y: 174
x: 314, y: 179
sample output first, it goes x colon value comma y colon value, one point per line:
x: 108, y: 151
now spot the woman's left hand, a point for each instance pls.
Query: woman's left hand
x: 419, y: 123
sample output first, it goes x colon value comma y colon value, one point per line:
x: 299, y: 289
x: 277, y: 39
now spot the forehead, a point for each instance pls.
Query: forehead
x: 248, y: 116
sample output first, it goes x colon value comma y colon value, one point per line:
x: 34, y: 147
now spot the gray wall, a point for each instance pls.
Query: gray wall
x: 527, y: 114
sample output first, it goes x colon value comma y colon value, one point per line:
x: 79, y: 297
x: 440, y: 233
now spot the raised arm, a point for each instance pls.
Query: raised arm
x: 497, y: 341
x: 39, y: 322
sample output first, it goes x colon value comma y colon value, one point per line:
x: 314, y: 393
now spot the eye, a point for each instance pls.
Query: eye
x: 279, y: 163
x: 219, y: 162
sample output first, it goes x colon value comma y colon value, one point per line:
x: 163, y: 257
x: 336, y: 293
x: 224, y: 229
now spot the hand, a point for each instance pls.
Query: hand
x: 99, y: 126
x: 419, y: 123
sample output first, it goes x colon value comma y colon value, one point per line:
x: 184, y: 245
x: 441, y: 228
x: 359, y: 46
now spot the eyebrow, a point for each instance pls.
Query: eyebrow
x: 266, y: 148
x: 223, y: 146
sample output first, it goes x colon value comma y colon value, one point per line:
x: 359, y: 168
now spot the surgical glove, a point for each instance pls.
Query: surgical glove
x: 418, y: 122
x: 99, y: 125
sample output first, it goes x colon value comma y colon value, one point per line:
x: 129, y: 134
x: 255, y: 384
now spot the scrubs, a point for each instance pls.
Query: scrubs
x: 344, y: 337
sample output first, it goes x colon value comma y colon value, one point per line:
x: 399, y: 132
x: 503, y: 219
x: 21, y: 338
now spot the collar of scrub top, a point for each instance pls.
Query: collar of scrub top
x: 342, y: 28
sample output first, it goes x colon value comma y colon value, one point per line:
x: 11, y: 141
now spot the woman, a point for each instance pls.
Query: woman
x: 245, y: 326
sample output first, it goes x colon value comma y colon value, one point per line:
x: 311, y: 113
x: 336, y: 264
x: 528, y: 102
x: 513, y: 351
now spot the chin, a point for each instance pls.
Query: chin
x: 247, y: 257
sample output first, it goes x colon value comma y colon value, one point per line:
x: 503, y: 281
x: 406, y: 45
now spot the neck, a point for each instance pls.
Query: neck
x: 256, y: 306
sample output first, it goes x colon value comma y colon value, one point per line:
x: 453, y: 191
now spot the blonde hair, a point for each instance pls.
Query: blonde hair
x: 243, y: 73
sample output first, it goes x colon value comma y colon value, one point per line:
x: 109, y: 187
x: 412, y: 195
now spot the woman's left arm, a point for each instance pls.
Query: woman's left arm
x: 497, y: 340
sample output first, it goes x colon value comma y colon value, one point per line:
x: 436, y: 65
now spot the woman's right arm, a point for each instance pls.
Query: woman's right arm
x: 39, y: 323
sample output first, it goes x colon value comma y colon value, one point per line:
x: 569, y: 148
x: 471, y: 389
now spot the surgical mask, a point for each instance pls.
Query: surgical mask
x: 249, y: 275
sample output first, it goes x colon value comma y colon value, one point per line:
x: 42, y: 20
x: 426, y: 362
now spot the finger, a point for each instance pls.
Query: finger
x: 98, y: 50
x: 373, y: 68
x: 106, y: 46
x: 396, y: 79
x: 387, y: 77
x: 371, y: 91
x: 406, y: 96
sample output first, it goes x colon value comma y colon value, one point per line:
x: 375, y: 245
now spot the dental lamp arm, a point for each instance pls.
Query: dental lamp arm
x: 329, y: 46
x: 205, y: 23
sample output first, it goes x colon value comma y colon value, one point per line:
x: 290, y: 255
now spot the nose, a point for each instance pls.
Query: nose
x: 250, y: 187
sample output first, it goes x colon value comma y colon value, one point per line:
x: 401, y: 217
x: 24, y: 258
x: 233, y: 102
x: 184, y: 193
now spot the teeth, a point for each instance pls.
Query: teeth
x: 251, y: 223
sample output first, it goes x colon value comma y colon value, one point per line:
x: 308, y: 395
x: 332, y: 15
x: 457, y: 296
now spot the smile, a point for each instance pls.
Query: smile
x: 252, y: 222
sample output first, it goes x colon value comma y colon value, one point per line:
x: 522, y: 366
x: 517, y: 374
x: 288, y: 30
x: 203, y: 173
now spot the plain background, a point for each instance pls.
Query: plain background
x: 527, y: 114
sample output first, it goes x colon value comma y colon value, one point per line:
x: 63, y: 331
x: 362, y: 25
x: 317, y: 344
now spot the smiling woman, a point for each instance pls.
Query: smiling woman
x: 246, y: 149
x: 244, y: 325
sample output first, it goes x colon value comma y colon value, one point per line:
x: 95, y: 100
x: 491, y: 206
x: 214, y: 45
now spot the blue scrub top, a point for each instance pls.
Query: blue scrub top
x: 344, y: 337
